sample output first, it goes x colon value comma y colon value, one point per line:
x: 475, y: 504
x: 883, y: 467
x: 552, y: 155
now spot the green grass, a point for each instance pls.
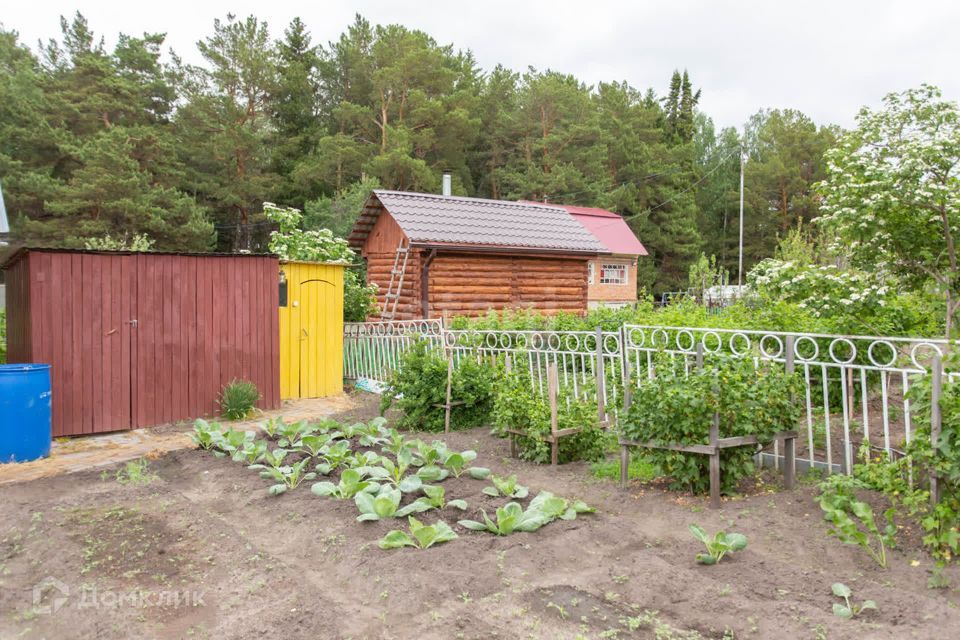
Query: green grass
x: 640, y: 469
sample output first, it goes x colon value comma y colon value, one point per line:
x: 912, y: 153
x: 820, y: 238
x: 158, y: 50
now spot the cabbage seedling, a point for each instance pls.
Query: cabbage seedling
x: 397, y: 472
x: 351, y: 483
x: 396, y: 443
x: 288, y: 477
x: 848, y: 610
x: 333, y: 455
x: 229, y: 441
x: 510, y: 518
x: 434, y: 499
x: 312, y: 444
x: 507, y: 487
x: 421, y: 536
x: 479, y: 473
x: 432, y: 474
x: 718, y: 546
x: 457, y: 462
x: 293, y: 432
x: 383, y: 505
x: 556, y: 507
x: 205, y: 435
x: 252, y: 452
x: 270, y: 427
x: 271, y: 460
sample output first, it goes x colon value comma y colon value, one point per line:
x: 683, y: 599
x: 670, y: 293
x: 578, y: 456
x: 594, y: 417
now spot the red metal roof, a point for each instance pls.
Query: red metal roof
x: 607, y: 227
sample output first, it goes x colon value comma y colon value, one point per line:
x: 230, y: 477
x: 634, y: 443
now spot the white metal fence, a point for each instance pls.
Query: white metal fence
x: 854, y: 393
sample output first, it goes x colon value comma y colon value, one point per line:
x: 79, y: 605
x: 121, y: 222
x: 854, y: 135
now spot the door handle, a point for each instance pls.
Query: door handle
x: 132, y: 323
x: 305, y: 334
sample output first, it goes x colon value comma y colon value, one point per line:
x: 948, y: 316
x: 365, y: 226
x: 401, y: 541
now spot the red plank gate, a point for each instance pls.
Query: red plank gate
x: 141, y: 339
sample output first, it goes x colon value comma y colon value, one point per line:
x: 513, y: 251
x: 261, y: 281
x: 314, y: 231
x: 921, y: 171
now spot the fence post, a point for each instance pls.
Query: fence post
x: 936, y: 418
x: 552, y: 393
x: 601, y: 379
x: 627, y: 401
x: 700, y: 355
x: 789, y: 444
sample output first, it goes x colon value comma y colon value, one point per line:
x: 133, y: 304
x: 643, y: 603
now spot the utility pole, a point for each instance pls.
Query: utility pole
x: 740, y: 268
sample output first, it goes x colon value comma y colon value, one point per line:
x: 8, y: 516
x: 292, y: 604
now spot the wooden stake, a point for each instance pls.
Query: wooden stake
x: 446, y: 417
x: 552, y: 386
x: 624, y: 465
x: 715, y: 462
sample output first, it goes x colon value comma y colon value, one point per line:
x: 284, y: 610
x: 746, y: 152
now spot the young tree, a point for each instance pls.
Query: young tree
x: 892, y: 191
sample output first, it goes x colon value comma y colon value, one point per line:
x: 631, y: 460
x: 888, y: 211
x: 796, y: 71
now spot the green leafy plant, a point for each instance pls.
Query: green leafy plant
x: 556, y: 507
x: 231, y: 441
x: 205, y: 434
x: 312, y: 444
x: 351, y: 483
x: 287, y: 477
x: 251, y: 452
x: 271, y: 426
x: 383, y: 505
x: 518, y: 405
x: 852, y: 520
x: 238, y: 399
x: 677, y: 407
x: 508, y: 487
x: 421, y: 536
x: 419, y: 383
x: 719, y: 545
x: 509, y: 518
x: 135, y: 472
x: 271, y: 459
x: 396, y: 472
x: 848, y: 610
x: 291, y: 432
x: 333, y: 456
x: 433, y: 499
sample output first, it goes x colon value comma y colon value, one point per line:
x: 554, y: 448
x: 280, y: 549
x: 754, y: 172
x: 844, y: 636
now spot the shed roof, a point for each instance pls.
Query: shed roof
x: 431, y: 219
x: 609, y: 228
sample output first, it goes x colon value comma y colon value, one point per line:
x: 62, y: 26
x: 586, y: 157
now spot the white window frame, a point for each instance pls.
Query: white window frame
x: 617, y: 267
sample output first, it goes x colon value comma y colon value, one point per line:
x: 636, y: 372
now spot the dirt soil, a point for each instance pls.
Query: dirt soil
x: 201, y: 551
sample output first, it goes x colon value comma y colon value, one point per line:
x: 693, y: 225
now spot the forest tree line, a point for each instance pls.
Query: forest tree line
x: 134, y: 144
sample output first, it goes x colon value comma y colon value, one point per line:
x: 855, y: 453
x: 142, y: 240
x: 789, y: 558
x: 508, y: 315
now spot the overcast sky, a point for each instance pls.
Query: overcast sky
x: 825, y: 58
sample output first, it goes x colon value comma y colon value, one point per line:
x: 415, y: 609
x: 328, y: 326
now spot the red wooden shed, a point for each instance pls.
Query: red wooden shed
x: 139, y: 339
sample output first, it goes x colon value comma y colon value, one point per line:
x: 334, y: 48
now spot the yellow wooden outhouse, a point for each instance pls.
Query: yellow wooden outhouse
x: 311, y: 329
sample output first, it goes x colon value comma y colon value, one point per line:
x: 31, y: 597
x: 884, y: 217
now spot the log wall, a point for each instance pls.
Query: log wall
x: 472, y: 284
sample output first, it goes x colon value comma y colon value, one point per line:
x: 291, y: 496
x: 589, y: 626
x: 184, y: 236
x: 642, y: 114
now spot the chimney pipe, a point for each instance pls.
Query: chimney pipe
x: 447, y: 185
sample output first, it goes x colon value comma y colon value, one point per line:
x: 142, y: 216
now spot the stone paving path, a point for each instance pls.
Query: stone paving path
x: 69, y: 455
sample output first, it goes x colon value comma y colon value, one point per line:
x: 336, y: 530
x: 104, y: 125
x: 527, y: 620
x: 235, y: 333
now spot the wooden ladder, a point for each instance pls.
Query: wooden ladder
x: 396, y: 276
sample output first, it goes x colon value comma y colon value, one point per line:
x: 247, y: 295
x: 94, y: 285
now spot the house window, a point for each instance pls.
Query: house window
x: 591, y: 267
x: 613, y: 274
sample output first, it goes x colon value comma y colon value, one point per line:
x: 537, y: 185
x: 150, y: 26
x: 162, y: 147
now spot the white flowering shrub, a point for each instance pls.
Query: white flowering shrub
x: 823, y: 290
x: 892, y: 192
x: 290, y: 242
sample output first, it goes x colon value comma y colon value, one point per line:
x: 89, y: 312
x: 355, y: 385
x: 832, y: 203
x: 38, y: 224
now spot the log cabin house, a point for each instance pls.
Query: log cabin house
x: 435, y: 255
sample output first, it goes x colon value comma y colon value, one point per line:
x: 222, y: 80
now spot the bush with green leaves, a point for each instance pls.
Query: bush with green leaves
x: 678, y: 408
x: 718, y: 545
x: 421, y: 536
x: 852, y: 520
x: 238, y: 399
x: 420, y: 382
x: 518, y: 404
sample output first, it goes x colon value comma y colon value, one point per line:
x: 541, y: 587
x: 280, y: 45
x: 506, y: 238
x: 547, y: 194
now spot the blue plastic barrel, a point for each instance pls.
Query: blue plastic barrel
x: 24, y: 412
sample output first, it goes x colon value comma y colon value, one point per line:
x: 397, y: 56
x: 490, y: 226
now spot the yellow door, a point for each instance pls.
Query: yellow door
x: 311, y: 331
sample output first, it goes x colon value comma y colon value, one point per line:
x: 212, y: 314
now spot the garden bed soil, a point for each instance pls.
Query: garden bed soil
x: 202, y: 551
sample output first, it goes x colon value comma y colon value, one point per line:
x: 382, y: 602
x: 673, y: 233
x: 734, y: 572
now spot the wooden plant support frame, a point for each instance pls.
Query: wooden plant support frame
x: 449, y: 404
x: 553, y: 387
x: 716, y: 444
